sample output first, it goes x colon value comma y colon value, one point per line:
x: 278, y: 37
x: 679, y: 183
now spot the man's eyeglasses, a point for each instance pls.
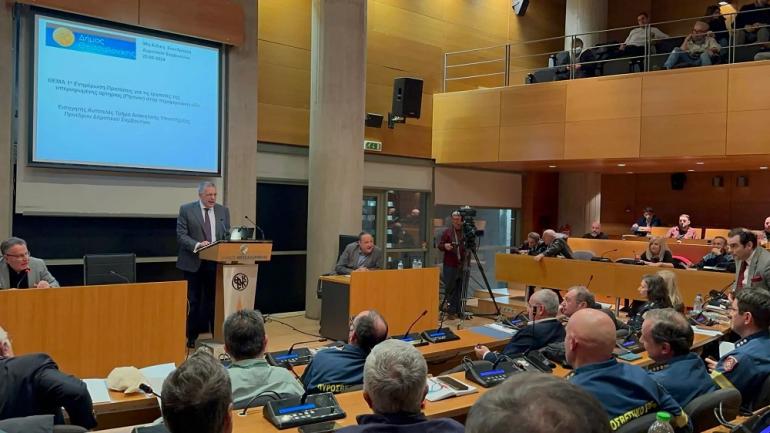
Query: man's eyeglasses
x: 18, y: 256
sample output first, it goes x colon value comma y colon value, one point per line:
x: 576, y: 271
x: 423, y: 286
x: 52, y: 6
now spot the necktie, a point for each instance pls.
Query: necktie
x: 207, y: 224
x: 741, y: 276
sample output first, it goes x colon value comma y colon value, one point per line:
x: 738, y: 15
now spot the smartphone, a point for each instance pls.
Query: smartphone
x: 630, y: 356
x: 321, y: 427
x: 452, y: 383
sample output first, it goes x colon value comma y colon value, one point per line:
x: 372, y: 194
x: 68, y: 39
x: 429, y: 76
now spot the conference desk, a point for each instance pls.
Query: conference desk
x: 89, y: 330
x: 613, y: 249
x: 610, y: 279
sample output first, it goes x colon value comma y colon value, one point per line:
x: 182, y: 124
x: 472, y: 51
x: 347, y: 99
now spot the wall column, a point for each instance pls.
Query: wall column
x: 580, y: 199
x: 240, y: 182
x: 585, y: 16
x: 6, y: 118
x: 337, y: 106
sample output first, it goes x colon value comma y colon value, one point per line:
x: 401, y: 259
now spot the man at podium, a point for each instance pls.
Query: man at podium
x: 359, y: 256
x: 200, y: 223
x: 18, y: 270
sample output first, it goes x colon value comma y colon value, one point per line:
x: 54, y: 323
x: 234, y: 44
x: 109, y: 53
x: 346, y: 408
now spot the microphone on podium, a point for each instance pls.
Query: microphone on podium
x: 121, y: 276
x: 255, y: 226
x: 414, y: 339
x: 25, y: 277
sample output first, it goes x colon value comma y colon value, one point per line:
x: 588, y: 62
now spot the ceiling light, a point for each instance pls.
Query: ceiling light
x: 699, y: 163
x: 764, y: 167
x: 724, y: 3
x: 690, y: 170
x: 551, y: 166
x: 629, y: 172
x: 621, y: 165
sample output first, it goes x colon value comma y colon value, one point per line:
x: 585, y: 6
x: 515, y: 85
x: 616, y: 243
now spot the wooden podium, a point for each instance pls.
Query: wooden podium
x: 399, y: 295
x: 236, y: 276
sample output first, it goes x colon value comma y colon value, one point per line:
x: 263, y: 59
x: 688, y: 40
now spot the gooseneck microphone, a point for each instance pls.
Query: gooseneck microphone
x: 24, y: 277
x: 291, y: 348
x: 225, y: 232
x: 147, y: 389
x: 121, y: 276
x: 255, y: 226
x: 406, y: 334
x: 607, y: 252
x: 590, y: 278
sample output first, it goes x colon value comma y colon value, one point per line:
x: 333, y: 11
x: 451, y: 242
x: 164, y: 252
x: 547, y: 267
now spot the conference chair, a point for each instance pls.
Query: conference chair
x: 582, y: 255
x: 37, y: 423
x: 109, y: 269
x: 763, y: 398
x: 701, y: 410
x: 639, y: 425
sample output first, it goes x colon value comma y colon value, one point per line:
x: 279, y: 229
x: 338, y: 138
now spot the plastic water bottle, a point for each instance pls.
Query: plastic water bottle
x: 400, y: 264
x: 662, y: 423
x: 414, y: 263
x: 419, y: 263
x: 697, y: 306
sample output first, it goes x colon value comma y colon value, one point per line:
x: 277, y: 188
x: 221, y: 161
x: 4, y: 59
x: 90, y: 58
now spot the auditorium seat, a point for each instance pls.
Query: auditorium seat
x: 701, y: 409
x: 639, y: 425
x: 583, y: 255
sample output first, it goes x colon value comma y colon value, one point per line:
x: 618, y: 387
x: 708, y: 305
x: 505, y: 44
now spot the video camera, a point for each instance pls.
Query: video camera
x: 470, y: 232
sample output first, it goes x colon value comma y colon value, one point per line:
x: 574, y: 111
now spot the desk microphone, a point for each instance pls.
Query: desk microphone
x: 607, y: 252
x: 147, y: 389
x: 287, y: 365
x: 291, y: 348
x: 121, y: 276
x: 406, y: 334
x: 255, y: 226
x: 225, y: 232
x: 26, y: 276
x: 590, y: 278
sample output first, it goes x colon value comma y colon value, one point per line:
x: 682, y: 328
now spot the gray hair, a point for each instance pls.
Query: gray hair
x: 205, y: 184
x: 534, y: 235
x: 671, y: 327
x: 394, y: 377
x: 4, y: 336
x: 10, y: 243
x: 197, y: 396
x: 582, y: 294
x: 549, y: 232
x: 244, y: 333
x: 548, y: 299
x: 537, y: 403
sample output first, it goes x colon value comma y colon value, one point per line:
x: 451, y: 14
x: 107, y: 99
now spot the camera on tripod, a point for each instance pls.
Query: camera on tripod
x: 470, y: 232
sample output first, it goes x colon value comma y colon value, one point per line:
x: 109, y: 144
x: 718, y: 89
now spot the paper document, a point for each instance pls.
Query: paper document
x: 725, y: 347
x: 97, y: 388
x: 438, y: 390
x: 501, y: 328
x: 709, y: 332
x: 156, y: 374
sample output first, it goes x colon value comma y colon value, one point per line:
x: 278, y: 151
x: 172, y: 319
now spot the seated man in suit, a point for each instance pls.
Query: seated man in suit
x: 626, y: 391
x: 395, y: 375
x: 718, y: 257
x: 556, y: 245
x: 683, y: 229
x: 530, y: 401
x: 197, y: 397
x: 359, y: 256
x: 667, y: 338
x: 752, y: 263
x: 33, y: 385
x: 578, y: 298
x: 250, y: 374
x: 644, y: 224
x: 333, y: 370
x: 19, y: 270
x: 746, y: 367
x: 543, y: 330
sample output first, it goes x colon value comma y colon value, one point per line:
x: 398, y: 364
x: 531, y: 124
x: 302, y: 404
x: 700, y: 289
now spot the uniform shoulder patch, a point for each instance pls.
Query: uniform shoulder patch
x: 729, y: 363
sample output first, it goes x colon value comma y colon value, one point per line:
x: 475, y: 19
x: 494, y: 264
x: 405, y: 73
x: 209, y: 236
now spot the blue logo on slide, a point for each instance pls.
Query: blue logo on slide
x: 88, y: 41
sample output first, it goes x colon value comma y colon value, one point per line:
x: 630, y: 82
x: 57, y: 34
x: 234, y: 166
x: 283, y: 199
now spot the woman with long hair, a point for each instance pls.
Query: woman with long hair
x: 653, y: 289
x: 657, y: 253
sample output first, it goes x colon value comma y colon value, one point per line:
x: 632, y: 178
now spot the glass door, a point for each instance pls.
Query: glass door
x: 369, y: 214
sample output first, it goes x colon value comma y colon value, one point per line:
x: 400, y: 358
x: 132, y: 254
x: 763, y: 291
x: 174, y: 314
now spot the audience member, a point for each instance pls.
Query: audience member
x: 653, y: 290
x: 636, y: 41
x: 197, y: 397
x: 697, y: 49
x: 648, y: 220
x: 537, y: 403
x: 667, y: 338
x: 750, y: 23
x: 626, y: 391
x: 20, y: 270
x: 361, y: 255
x: 533, y: 245
x: 578, y: 298
x: 544, y: 328
x: 683, y: 229
x: 395, y: 375
x: 752, y: 263
x: 718, y: 257
x: 765, y: 232
x: 717, y: 25
x: 33, y: 385
x: 335, y: 370
x: 746, y: 367
x: 578, y: 58
x: 452, y: 244
x: 250, y: 374
x: 673, y: 290
x: 596, y: 232
x: 657, y: 253
x: 556, y: 245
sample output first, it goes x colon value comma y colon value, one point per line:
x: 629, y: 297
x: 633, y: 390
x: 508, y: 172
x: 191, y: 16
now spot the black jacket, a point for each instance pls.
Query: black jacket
x: 33, y: 385
x: 533, y: 337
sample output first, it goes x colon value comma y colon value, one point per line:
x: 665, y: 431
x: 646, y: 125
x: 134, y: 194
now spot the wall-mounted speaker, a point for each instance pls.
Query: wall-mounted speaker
x: 742, y: 181
x: 407, y: 97
x: 677, y: 181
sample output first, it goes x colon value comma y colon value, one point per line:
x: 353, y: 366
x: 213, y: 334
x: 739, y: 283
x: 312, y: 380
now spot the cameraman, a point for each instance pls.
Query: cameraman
x: 452, y: 244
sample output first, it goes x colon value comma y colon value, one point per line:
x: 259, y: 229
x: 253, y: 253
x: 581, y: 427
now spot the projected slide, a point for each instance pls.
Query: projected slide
x: 110, y: 98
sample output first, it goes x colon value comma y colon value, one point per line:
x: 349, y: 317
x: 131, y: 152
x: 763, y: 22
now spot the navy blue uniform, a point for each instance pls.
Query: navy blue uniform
x: 335, y: 370
x: 684, y: 377
x: 535, y: 336
x: 403, y: 423
x: 627, y: 392
x: 746, y: 367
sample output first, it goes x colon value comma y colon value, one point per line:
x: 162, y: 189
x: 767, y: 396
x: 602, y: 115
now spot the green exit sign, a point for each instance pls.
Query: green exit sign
x: 375, y: 146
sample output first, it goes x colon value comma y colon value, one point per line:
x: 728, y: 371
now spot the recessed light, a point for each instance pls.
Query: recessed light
x: 629, y: 172
x: 621, y: 165
x: 551, y: 166
x: 690, y: 170
x: 764, y: 167
x: 699, y: 163
x: 724, y: 3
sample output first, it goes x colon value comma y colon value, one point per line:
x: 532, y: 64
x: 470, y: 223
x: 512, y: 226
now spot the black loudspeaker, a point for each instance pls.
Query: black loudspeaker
x: 407, y: 97
x: 677, y: 181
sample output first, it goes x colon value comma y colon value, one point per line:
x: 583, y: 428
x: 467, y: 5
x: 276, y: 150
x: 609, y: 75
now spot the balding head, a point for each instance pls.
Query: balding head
x: 590, y: 337
x: 367, y: 330
x: 548, y: 236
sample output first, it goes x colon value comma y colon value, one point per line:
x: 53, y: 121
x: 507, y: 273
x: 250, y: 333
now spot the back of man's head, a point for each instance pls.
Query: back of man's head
x: 756, y: 302
x: 245, y: 334
x: 582, y: 294
x: 537, y: 403
x: 547, y: 300
x: 590, y: 337
x: 197, y: 397
x: 669, y: 326
x: 370, y: 329
x: 6, y: 350
x: 394, y: 378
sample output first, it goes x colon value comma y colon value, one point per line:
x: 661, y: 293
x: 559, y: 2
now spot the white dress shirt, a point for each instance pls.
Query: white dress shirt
x: 638, y: 36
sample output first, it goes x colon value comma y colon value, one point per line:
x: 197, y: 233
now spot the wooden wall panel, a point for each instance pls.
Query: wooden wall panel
x: 525, y: 105
x: 745, y: 79
x: 280, y: 124
x: 475, y: 109
x: 466, y: 145
x: 684, y: 135
x: 685, y: 91
x: 604, y: 98
x: 220, y: 20
x: 589, y: 139
x: 536, y: 142
x: 122, y: 11
x: 747, y: 132
x: 286, y: 22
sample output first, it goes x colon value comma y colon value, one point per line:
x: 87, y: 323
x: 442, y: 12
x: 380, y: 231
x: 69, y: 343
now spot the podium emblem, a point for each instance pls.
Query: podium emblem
x: 240, y: 281
x: 244, y: 249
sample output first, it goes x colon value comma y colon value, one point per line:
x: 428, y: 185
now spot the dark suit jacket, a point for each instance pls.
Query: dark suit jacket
x: 349, y: 258
x: 37, y: 272
x: 533, y: 337
x: 758, y: 270
x: 33, y: 385
x: 558, y: 247
x: 189, y: 231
